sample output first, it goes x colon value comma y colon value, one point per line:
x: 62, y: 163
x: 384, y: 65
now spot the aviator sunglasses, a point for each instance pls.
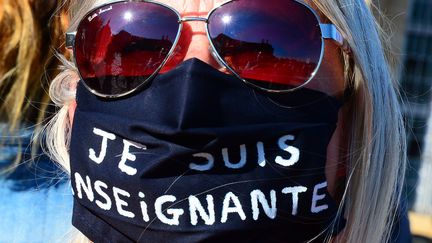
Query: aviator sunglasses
x: 272, y: 45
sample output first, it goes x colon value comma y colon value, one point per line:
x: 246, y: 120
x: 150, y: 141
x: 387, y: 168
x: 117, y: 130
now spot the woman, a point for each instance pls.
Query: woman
x: 279, y: 122
x: 29, y: 37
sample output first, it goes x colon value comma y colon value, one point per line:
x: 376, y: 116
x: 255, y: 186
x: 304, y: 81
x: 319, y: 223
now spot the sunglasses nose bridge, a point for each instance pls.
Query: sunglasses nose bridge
x: 197, y: 49
x: 188, y: 19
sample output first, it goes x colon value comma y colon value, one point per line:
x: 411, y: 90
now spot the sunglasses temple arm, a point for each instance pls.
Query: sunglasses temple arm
x: 70, y: 39
x: 329, y: 31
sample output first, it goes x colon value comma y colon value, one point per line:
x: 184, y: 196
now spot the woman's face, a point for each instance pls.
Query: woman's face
x: 329, y: 78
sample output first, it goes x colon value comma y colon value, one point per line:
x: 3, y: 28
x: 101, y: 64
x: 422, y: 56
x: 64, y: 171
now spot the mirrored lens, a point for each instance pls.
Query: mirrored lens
x: 119, y: 46
x: 274, y: 44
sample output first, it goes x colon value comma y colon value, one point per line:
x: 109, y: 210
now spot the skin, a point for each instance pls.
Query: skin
x: 329, y: 78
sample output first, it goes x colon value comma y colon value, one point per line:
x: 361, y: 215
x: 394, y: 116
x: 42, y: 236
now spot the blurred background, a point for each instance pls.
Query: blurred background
x: 409, y: 24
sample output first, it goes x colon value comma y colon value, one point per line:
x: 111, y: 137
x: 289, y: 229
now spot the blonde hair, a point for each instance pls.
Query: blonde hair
x: 377, y: 157
x: 29, y: 34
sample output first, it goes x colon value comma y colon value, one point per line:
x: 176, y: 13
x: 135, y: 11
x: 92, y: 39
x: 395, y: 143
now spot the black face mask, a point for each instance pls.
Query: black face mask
x: 198, y: 156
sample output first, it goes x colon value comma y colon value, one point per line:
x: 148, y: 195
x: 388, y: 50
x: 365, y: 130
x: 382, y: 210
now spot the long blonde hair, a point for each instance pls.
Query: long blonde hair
x: 377, y: 157
x: 29, y: 37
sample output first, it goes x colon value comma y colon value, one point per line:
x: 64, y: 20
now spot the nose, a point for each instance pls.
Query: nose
x: 195, y: 42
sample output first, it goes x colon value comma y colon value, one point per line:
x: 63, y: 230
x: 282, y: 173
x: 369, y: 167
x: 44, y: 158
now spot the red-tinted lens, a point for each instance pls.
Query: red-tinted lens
x: 119, y: 46
x: 275, y: 44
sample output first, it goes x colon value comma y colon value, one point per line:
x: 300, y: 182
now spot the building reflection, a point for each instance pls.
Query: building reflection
x: 257, y: 60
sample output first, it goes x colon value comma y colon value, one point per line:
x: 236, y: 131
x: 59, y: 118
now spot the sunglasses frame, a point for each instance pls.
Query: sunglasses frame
x: 328, y: 31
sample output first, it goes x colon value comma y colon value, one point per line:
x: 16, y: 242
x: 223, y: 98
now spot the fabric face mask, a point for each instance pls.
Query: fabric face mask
x: 198, y: 156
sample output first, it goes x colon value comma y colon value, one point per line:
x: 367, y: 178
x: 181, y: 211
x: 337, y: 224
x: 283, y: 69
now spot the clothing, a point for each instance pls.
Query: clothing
x: 198, y: 156
x: 35, y: 200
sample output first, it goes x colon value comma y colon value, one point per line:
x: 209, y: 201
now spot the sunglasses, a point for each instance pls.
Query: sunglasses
x: 272, y: 45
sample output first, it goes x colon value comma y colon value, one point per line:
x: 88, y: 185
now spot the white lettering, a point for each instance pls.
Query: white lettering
x: 226, y: 209
x: 120, y: 203
x: 203, y: 167
x: 92, y: 17
x: 106, y: 136
x: 195, y: 205
x: 295, y: 152
x: 261, y: 154
x: 295, y: 190
x: 81, y: 185
x: 98, y: 187
x: 105, y: 10
x: 143, y: 205
x: 316, y: 198
x: 238, y: 165
x: 257, y: 195
x: 175, y: 212
x: 126, y: 155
